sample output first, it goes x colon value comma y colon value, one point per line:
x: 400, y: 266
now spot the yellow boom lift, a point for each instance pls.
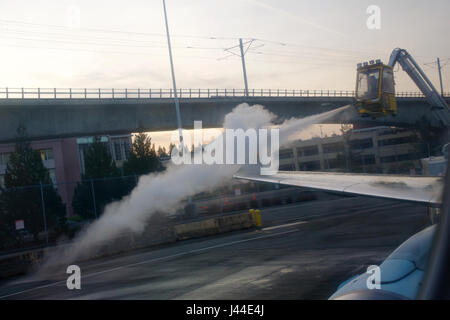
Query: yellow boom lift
x: 375, y: 87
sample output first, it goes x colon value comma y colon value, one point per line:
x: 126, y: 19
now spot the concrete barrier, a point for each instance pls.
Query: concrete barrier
x: 129, y: 241
x: 213, y: 226
x: 19, y: 263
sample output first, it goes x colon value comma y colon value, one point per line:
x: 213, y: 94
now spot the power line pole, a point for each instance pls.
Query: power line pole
x: 242, y: 56
x: 243, y: 66
x: 43, y: 214
x: 177, y: 101
x: 440, y: 75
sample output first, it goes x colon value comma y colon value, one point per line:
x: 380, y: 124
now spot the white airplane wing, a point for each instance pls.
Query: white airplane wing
x: 426, y: 190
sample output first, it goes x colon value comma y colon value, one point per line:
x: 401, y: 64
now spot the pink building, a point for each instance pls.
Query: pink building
x: 64, y: 158
x: 60, y: 157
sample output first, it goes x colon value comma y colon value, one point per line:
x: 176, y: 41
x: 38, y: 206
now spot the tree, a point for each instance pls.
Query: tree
x: 100, y: 180
x: 162, y: 152
x: 143, y: 158
x: 98, y: 162
x: 21, y: 198
x: 171, y: 146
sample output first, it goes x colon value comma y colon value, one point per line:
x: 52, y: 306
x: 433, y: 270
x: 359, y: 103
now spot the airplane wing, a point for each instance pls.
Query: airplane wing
x: 427, y: 190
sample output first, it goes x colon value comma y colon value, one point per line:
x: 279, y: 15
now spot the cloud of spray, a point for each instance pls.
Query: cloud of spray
x: 166, y: 191
x: 161, y: 192
x: 292, y: 127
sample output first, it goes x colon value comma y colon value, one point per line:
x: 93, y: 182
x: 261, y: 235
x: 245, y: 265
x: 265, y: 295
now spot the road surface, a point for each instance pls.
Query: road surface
x: 304, y: 251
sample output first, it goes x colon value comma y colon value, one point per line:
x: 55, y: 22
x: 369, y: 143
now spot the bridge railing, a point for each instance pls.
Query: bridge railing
x: 102, y: 93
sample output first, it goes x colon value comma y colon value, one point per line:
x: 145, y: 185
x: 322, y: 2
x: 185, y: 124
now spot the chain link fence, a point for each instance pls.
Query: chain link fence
x: 39, y: 215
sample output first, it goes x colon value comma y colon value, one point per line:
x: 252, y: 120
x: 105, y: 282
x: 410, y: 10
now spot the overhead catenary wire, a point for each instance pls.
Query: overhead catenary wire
x: 114, y: 31
x: 99, y: 44
x: 20, y: 34
x: 144, y: 53
x: 85, y: 40
x: 280, y: 43
x: 214, y: 37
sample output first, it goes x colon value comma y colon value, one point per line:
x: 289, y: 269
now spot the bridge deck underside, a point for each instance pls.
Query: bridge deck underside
x: 47, y: 118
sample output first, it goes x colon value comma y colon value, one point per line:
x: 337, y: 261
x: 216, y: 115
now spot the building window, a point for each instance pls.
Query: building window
x: 117, y: 151
x: 395, y: 141
x: 335, y: 163
x: 388, y: 81
x: 361, y: 144
x: 408, y: 156
x: 4, y: 158
x: 365, y: 160
x: 46, y: 154
x: 83, y: 148
x: 369, y: 159
x: 388, y: 159
x: 120, y: 147
x: 287, y: 167
x: 333, y: 147
x: 286, y: 154
x: 308, y: 151
x: 127, y: 148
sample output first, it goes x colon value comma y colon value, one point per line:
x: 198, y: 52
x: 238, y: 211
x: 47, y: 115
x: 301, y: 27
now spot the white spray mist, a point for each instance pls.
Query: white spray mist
x: 165, y: 191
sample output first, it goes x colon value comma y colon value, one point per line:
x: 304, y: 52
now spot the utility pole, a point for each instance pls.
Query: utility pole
x: 243, y: 66
x: 242, y: 56
x: 440, y: 76
x: 94, y: 202
x: 177, y: 101
x: 43, y: 214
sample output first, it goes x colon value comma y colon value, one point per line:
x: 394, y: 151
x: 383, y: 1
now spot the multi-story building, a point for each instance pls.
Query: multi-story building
x: 376, y: 149
x: 64, y: 158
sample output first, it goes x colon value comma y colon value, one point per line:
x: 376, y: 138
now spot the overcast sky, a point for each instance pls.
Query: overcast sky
x: 301, y: 44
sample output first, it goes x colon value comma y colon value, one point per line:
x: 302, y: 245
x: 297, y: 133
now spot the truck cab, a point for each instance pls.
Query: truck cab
x: 375, y: 90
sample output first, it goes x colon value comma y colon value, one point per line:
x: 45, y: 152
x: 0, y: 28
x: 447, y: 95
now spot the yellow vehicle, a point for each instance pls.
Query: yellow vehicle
x: 375, y: 90
x: 375, y: 87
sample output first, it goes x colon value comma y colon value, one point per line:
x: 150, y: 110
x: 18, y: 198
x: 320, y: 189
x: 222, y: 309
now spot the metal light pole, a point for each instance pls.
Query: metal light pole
x: 43, y: 214
x: 440, y: 75
x: 243, y: 66
x: 93, y: 198
x: 177, y: 102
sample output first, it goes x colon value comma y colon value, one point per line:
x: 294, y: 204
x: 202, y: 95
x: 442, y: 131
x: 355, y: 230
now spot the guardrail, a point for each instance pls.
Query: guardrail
x: 85, y: 93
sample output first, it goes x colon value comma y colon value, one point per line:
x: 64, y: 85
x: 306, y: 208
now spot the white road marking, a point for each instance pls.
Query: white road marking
x: 284, y: 225
x: 151, y: 260
x: 293, y: 206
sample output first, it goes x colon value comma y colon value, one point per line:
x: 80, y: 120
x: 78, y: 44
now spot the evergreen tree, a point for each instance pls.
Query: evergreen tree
x: 171, y: 146
x: 143, y: 158
x: 101, y: 179
x: 98, y: 162
x: 21, y: 197
x: 162, y: 152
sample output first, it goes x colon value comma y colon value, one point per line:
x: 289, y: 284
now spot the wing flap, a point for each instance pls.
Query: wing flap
x: 409, y: 188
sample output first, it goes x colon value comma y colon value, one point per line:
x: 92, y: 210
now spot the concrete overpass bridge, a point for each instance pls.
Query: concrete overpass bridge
x: 53, y: 113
